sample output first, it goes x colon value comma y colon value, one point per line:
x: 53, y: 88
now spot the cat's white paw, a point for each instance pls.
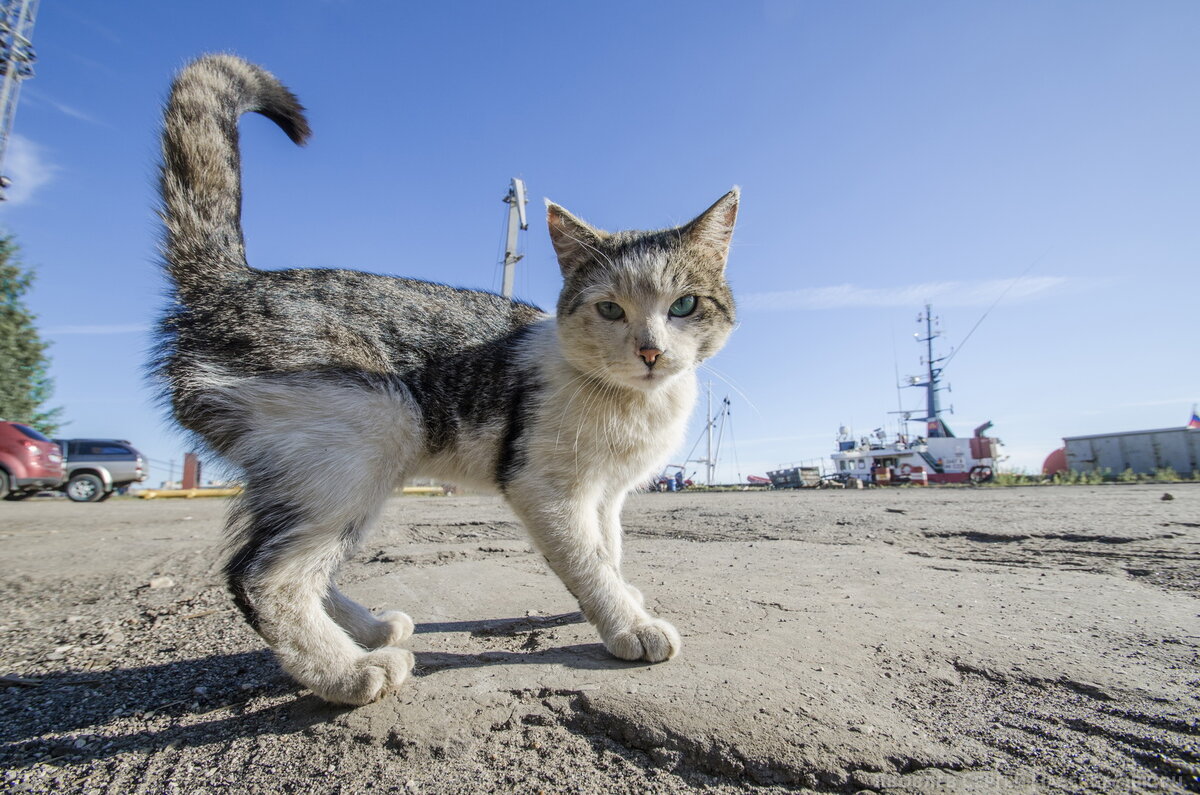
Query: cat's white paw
x: 653, y: 641
x: 395, y: 627
x: 368, y: 678
x: 386, y: 629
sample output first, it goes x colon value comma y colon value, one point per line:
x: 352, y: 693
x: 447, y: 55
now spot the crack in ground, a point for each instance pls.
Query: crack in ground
x: 709, y: 757
x: 1075, y: 538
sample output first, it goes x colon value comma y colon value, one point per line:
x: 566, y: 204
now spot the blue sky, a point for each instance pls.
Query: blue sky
x: 888, y: 154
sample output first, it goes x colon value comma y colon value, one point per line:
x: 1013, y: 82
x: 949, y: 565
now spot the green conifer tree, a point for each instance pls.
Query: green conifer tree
x: 25, y: 386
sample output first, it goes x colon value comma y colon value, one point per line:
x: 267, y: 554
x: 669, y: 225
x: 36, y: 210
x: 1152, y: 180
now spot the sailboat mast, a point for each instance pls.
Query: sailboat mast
x: 708, y: 415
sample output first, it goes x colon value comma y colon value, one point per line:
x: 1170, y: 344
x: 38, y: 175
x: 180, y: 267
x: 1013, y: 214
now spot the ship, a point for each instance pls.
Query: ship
x: 935, y: 456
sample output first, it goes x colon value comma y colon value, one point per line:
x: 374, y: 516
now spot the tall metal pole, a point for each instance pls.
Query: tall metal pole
x: 931, y: 399
x: 516, y: 202
x: 16, y: 62
x: 708, y: 415
x: 933, y: 410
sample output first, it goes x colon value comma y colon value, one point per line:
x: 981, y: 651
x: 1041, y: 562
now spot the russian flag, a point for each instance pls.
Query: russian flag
x: 1194, y: 424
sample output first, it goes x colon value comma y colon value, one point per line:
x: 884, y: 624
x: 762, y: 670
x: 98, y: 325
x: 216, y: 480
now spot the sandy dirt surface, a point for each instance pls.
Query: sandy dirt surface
x: 1037, y: 639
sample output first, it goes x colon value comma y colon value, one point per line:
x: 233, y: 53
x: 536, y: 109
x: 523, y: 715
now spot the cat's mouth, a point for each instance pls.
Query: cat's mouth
x: 642, y: 377
x: 652, y: 377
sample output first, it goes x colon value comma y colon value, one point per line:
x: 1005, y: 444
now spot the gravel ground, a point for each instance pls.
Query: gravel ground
x: 1039, y: 639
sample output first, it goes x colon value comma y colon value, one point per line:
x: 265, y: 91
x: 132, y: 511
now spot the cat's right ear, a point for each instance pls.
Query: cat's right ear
x: 575, y: 241
x: 712, y: 230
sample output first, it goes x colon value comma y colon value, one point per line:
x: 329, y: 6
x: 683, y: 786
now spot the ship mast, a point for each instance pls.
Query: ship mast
x: 934, y: 424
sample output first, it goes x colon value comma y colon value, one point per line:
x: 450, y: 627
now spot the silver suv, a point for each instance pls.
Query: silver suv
x: 98, y: 467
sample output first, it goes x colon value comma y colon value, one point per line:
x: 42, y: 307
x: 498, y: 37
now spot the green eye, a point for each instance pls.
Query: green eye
x: 683, y: 306
x: 610, y: 311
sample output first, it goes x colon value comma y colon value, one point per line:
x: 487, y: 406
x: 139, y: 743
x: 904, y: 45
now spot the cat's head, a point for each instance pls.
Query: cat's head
x: 638, y: 309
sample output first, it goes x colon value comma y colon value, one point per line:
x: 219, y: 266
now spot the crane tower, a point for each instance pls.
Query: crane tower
x: 16, y: 64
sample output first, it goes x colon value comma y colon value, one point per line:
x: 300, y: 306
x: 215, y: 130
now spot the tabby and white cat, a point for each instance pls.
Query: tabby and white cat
x: 327, y: 387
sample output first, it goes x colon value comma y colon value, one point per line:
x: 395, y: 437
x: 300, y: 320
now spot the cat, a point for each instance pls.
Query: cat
x: 328, y: 387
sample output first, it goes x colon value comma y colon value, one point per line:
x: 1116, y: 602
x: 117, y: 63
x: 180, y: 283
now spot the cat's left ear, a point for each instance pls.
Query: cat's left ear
x: 712, y: 230
x: 575, y: 241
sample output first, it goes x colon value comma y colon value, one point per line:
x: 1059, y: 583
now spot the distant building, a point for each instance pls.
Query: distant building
x: 1140, y: 451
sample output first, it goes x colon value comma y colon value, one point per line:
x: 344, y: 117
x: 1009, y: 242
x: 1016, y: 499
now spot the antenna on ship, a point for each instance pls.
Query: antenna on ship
x: 16, y: 63
x: 516, y: 201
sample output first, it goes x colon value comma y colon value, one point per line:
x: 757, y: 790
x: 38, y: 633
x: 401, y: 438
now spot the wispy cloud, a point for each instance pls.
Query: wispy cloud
x: 74, y: 113
x: 38, y: 98
x: 1185, y: 402
x: 89, y: 22
x: 948, y: 293
x: 118, y: 328
x: 28, y: 168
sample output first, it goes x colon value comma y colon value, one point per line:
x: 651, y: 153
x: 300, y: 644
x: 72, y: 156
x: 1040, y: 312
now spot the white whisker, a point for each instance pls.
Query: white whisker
x: 729, y: 382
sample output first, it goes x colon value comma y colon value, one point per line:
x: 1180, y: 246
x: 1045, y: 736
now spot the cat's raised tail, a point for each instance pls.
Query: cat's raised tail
x: 200, y: 182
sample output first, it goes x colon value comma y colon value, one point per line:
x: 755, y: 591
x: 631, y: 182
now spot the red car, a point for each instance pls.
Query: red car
x: 29, y: 462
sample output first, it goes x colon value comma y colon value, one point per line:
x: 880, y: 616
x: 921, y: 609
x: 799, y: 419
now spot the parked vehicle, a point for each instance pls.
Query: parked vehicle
x: 29, y: 462
x: 98, y: 467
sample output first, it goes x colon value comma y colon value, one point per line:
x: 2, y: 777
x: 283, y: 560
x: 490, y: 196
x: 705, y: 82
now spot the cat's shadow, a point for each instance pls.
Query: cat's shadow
x: 69, y: 718
x: 527, y: 633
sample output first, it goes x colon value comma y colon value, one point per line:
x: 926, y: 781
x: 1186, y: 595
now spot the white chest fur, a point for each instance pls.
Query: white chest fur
x: 593, y: 431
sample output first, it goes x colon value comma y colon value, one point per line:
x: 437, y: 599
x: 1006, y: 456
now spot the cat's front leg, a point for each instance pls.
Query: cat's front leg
x: 576, y: 545
x: 614, y: 537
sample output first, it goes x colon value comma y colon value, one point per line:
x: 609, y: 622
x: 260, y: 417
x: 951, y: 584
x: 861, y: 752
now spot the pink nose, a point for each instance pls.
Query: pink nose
x: 649, y: 355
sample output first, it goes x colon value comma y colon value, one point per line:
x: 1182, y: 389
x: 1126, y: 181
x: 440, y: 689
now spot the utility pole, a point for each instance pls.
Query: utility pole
x: 16, y: 62
x: 516, y: 202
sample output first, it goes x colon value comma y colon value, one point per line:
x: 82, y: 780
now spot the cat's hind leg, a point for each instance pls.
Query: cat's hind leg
x: 320, y: 457
x: 281, y: 577
x: 367, y: 629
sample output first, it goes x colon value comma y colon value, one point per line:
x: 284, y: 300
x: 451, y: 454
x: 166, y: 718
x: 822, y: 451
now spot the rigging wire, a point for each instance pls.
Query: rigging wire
x: 498, y: 262
x: 720, y: 432
x: 737, y: 464
x: 901, y: 420
x: 689, y: 458
x: 999, y: 298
